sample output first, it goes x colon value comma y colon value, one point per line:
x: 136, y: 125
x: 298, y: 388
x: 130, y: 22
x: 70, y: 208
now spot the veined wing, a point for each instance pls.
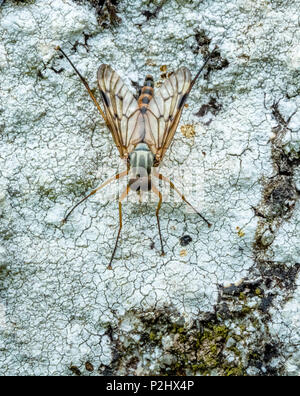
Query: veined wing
x: 124, y: 118
x: 164, y: 111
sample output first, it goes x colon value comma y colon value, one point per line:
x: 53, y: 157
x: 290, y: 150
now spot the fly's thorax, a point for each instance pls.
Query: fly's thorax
x: 141, y: 163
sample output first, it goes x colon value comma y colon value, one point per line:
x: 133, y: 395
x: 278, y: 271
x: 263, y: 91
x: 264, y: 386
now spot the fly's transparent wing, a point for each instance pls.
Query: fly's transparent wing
x: 124, y: 118
x: 164, y: 112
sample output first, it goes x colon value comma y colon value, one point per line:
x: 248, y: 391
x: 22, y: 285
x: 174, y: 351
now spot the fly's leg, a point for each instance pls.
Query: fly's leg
x: 122, y: 197
x: 159, y: 194
x: 116, y: 177
x: 161, y: 177
x: 202, y: 67
x: 83, y: 80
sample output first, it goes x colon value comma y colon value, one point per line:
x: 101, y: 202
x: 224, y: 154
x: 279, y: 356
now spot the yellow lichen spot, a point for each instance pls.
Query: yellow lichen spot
x: 240, y: 232
x: 163, y: 68
x: 258, y: 291
x: 186, y: 105
x: 183, y: 253
x: 188, y: 130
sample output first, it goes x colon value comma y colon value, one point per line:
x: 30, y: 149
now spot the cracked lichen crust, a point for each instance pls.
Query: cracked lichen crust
x: 222, y: 301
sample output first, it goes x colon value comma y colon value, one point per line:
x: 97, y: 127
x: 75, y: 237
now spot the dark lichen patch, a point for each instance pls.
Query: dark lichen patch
x: 14, y: 193
x: 226, y: 342
x: 261, y: 359
x: 106, y: 371
x: 270, y: 352
x: 17, y: 2
x: 279, y: 275
x: 75, y: 370
x: 47, y: 192
x: 247, y: 288
x: 240, y: 301
x: 280, y: 193
x: 4, y: 272
x: 106, y: 11
x: 283, y: 162
x: 199, y: 351
x: 56, y: 71
x: 276, y: 207
x: 6, y: 235
x: 266, y: 303
x: 196, y: 349
x: 202, y: 42
x: 80, y: 187
x: 186, y: 348
x: 155, y: 7
x: 217, y: 62
x: 212, y: 108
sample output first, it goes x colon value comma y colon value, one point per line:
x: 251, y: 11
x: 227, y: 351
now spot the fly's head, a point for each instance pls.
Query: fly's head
x: 140, y: 184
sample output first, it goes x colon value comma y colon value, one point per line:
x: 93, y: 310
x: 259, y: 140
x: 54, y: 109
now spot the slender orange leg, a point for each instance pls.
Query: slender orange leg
x: 158, y: 193
x: 161, y: 177
x: 84, y: 83
x: 118, y: 176
x: 122, y: 197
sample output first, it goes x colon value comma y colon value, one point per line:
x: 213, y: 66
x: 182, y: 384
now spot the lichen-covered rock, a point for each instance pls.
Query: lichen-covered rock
x: 223, y: 300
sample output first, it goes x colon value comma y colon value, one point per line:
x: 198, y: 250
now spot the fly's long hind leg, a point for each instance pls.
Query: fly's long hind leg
x: 122, y: 197
x: 116, y: 177
x: 161, y: 177
x: 159, y: 194
x: 83, y: 80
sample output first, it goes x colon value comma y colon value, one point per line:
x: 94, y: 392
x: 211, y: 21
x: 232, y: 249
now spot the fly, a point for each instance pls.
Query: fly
x: 142, y: 129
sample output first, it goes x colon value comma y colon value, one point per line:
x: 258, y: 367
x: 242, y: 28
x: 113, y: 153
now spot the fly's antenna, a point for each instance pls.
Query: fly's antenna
x: 202, y: 67
x: 83, y: 80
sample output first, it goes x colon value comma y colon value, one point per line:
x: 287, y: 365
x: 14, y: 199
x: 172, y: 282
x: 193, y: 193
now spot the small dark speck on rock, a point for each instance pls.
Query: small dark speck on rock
x: 185, y: 240
x: 89, y: 367
x: 75, y: 370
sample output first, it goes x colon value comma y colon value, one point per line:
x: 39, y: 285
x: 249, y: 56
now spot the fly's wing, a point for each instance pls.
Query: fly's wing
x: 124, y: 119
x: 164, y: 112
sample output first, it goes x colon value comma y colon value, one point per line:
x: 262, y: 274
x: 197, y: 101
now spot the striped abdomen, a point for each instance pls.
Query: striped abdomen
x: 146, y: 94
